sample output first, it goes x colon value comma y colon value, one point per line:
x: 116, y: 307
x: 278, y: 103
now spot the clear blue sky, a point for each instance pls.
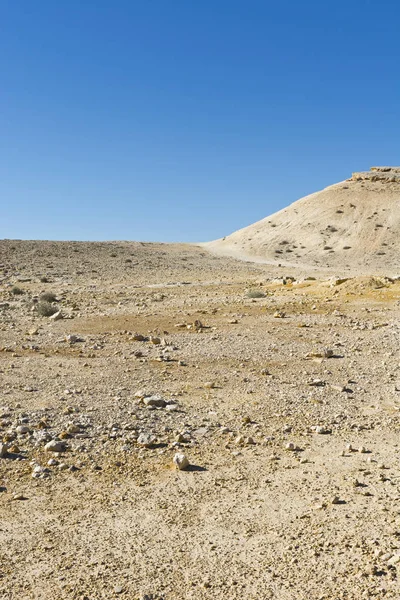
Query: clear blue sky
x: 182, y: 120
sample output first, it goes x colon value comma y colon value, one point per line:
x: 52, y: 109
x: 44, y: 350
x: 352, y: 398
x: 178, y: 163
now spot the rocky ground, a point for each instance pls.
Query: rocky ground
x: 281, y: 390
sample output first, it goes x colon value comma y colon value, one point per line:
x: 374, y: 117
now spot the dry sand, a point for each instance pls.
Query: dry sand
x: 263, y: 395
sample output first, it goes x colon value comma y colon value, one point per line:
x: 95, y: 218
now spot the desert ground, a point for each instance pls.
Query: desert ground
x: 353, y: 226
x: 279, y: 385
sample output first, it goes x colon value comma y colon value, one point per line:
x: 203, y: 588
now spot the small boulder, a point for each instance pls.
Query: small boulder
x: 55, y: 446
x: 156, y: 401
x: 181, y: 462
x: 146, y: 440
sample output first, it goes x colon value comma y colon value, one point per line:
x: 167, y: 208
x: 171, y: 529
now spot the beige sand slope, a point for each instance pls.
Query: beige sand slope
x: 353, y: 226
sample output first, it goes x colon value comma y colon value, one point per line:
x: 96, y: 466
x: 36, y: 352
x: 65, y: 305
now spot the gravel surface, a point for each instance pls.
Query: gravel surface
x: 191, y: 426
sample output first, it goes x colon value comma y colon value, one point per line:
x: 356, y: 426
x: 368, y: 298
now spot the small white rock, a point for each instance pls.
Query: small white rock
x: 146, y: 440
x: 21, y: 429
x: 240, y: 440
x: 320, y: 429
x: 181, y: 462
x: 55, y: 446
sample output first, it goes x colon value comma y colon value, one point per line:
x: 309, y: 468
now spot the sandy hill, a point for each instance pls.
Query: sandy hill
x: 353, y: 226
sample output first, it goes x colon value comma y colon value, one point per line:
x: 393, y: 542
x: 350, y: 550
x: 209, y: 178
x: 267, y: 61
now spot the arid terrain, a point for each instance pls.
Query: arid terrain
x: 353, y: 226
x: 281, y: 388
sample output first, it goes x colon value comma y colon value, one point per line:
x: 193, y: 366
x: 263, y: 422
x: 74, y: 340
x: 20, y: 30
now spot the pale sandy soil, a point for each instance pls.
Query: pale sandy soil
x: 250, y: 519
x: 352, y: 227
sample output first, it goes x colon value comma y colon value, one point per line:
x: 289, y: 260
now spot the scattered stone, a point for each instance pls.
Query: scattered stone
x: 181, y: 462
x: 290, y: 446
x: 250, y: 441
x: 57, y: 316
x: 40, y: 471
x: 22, y: 429
x: 19, y: 497
x: 156, y: 401
x: 3, y: 450
x: 274, y: 457
x: 55, y: 446
x: 182, y: 439
x: 317, y: 383
x: 320, y: 429
x: 334, y: 281
x: 210, y: 385
x: 146, y: 440
x: 72, y: 428
x: 138, y: 337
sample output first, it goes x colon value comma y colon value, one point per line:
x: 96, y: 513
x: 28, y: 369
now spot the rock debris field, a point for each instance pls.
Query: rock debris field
x: 176, y: 424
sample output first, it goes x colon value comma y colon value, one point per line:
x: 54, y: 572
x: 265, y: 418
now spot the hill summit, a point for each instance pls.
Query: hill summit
x: 353, y: 226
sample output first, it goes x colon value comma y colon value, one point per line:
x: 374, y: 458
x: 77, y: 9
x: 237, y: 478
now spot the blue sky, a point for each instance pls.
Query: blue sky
x: 173, y: 120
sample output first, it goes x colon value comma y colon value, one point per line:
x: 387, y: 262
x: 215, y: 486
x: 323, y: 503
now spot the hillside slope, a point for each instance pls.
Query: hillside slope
x: 353, y: 225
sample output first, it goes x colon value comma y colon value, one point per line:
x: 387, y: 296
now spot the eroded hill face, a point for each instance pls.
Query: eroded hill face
x: 353, y: 226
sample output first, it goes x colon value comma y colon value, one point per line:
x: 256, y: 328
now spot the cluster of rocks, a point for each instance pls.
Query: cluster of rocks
x: 383, y: 174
